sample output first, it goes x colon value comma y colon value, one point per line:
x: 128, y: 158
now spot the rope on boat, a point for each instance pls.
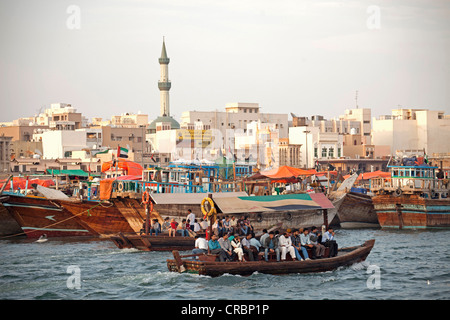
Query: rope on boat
x: 53, y: 224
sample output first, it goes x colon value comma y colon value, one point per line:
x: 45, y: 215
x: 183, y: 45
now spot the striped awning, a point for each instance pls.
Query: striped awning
x: 287, y: 202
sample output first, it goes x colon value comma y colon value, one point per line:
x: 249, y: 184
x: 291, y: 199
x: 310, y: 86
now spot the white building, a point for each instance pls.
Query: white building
x: 316, y: 145
x: 236, y: 117
x: 60, y: 143
x: 358, y: 119
x: 413, y: 129
x: 259, y: 144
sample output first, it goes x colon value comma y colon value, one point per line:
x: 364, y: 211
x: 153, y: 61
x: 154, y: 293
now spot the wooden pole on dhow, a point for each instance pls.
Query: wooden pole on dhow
x: 325, y: 217
x: 147, y: 218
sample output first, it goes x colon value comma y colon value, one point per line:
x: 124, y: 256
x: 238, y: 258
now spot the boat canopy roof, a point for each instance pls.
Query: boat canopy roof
x: 274, y: 203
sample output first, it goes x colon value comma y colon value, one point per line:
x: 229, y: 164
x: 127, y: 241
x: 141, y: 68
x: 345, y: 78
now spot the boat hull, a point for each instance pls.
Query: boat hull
x: 8, y: 225
x: 37, y: 216
x: 104, y: 218
x: 153, y: 243
x: 357, y: 211
x: 412, y: 212
x: 214, y: 269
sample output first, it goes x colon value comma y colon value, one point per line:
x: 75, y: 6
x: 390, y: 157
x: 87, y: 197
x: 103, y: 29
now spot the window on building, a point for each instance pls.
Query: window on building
x: 339, y: 153
x: 331, y: 152
x: 316, y: 155
x: 324, y: 152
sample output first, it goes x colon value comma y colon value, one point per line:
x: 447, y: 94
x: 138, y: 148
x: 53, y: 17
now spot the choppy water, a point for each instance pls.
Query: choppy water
x: 411, y: 265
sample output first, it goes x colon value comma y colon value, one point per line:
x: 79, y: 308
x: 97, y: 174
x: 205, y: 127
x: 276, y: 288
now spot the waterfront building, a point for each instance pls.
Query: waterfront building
x: 5, y: 153
x: 413, y: 129
x: 316, y: 145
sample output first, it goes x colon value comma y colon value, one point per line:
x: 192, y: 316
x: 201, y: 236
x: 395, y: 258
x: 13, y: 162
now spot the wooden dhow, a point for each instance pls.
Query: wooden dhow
x: 345, y: 257
x: 413, y: 197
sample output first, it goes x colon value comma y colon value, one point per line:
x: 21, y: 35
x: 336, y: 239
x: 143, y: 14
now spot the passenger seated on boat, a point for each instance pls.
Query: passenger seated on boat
x: 156, y: 227
x: 166, y: 225
x: 182, y: 228
x: 237, y: 245
x: 319, y: 249
x: 227, y: 225
x: 204, y: 224
x: 173, y: 228
x: 263, y: 237
x: 305, y: 243
x: 286, y: 245
x: 328, y: 240
x: 225, y: 244
x: 253, y: 245
x: 295, y: 238
x: 215, y: 248
x: 271, y: 245
x: 243, y: 230
x: 233, y: 224
x: 201, y: 245
x: 143, y: 227
x: 247, y: 247
x: 196, y: 225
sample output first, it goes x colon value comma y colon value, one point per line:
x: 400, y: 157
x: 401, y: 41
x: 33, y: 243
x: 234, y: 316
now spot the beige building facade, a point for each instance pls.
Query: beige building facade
x: 413, y: 129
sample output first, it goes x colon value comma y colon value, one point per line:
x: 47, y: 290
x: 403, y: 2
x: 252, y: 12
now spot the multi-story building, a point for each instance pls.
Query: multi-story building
x: 316, y: 145
x: 129, y: 120
x: 236, y: 117
x: 5, y: 155
x: 413, y: 129
x: 60, y: 116
x: 360, y: 116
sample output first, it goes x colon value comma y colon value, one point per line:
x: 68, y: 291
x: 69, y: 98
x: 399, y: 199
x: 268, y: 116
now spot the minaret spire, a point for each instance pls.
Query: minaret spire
x: 164, y: 83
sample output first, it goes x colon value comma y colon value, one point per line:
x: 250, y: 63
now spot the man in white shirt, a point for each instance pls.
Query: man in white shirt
x: 201, y: 245
x: 197, y: 227
x: 285, y: 244
x: 190, y: 219
x: 328, y: 240
x: 204, y: 224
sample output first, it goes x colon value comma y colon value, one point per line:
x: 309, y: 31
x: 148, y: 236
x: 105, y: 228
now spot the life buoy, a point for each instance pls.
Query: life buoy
x: 211, y: 204
x: 145, y: 197
x: 120, y: 186
x: 259, y: 217
x: 288, y: 216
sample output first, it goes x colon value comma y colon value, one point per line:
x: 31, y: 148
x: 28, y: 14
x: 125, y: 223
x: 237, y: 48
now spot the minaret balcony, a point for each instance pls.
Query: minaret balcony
x: 164, y: 85
x: 164, y: 60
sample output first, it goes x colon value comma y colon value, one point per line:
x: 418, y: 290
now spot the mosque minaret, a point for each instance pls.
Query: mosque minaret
x: 164, y: 83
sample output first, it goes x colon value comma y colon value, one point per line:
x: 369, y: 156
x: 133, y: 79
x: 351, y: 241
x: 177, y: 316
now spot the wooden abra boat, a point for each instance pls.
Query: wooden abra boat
x: 412, y: 198
x: 345, y: 257
x: 146, y: 242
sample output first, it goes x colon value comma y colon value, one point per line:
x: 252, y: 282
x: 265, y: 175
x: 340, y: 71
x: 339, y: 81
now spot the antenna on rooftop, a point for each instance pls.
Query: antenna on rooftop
x: 356, y: 99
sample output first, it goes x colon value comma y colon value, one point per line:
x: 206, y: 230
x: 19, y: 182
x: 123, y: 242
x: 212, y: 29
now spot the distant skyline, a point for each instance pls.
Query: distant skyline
x: 305, y: 57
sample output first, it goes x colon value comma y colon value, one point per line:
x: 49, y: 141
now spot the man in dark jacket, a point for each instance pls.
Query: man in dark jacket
x: 271, y: 245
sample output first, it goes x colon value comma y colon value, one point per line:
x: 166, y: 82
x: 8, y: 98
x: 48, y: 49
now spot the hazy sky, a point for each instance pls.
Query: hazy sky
x: 306, y: 57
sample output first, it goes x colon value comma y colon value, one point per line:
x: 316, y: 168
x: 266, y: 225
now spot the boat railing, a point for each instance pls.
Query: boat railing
x: 138, y: 187
x: 409, y: 185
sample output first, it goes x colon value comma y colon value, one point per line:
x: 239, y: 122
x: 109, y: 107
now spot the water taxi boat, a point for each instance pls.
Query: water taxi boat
x: 203, y: 265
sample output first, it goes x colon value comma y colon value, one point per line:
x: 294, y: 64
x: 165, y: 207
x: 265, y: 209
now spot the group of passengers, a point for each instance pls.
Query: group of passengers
x: 187, y: 227
x: 247, y: 248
